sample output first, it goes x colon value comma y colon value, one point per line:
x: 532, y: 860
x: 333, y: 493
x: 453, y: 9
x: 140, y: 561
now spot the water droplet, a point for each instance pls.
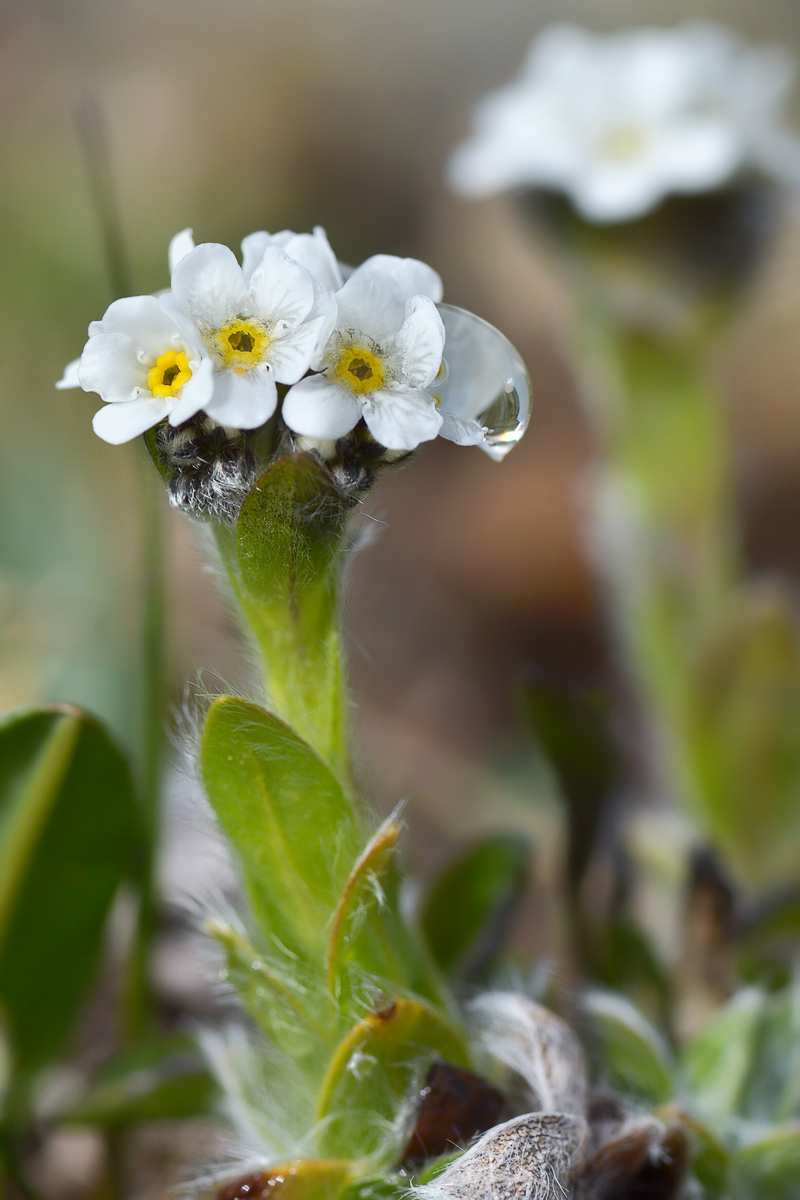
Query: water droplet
x: 485, y: 380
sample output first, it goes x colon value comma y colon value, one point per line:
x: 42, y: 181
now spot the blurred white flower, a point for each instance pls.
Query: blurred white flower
x: 619, y: 122
x: 143, y: 359
x: 379, y: 363
x: 259, y: 330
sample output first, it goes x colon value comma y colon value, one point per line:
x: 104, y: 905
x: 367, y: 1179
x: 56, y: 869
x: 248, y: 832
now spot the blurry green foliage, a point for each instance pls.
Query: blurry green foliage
x: 470, y: 903
x: 69, y: 833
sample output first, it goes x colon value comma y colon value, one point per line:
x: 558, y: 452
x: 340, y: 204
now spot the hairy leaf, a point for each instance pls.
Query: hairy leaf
x: 291, y: 825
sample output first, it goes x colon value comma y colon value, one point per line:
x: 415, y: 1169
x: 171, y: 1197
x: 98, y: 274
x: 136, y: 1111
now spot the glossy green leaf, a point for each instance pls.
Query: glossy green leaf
x: 164, y: 1079
x: 287, y: 562
x: 69, y: 833
x: 769, y: 1168
x: 716, y: 1065
x: 470, y: 903
x: 633, y: 1056
x: 375, y: 1071
x: 291, y: 825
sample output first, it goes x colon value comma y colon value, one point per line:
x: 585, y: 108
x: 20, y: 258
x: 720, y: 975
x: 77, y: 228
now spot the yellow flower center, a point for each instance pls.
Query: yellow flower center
x: 240, y: 344
x: 623, y: 143
x: 360, y: 370
x: 170, y: 373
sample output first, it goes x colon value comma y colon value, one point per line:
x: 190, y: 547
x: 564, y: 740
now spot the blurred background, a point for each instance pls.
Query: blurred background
x: 274, y: 114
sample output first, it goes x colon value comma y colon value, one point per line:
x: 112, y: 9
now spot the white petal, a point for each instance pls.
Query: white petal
x: 401, y: 418
x: 485, y: 383
x: 179, y: 247
x: 70, y: 377
x: 282, y: 291
x: 421, y: 342
x: 291, y: 356
x: 111, y: 367
x: 243, y: 401
x: 117, y: 423
x: 463, y: 433
x: 145, y: 320
x: 697, y: 154
x: 611, y: 194
x: 311, y: 250
x: 253, y: 247
x: 195, y: 393
x: 210, y: 281
x: 320, y: 408
x: 373, y: 302
x: 414, y: 277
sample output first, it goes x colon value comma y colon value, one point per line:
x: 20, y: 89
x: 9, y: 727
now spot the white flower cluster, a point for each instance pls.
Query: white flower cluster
x: 222, y: 338
x: 618, y: 122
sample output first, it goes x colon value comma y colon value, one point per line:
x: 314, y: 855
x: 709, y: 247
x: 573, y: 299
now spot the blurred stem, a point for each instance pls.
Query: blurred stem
x: 135, y: 998
x: 94, y: 143
x: 151, y: 755
x: 666, y: 462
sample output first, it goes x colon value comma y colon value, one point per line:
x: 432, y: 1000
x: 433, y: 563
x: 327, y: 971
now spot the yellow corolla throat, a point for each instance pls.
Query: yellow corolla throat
x: 360, y: 370
x: 169, y: 374
x: 240, y: 345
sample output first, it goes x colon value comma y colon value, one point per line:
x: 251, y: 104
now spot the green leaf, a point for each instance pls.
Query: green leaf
x: 302, y: 1179
x: 289, y: 1006
x: 155, y: 1080
x: 373, y: 948
x: 374, y: 1072
x: 745, y: 730
x: 716, y: 1065
x: 472, y: 899
x: 393, y: 1188
x: 769, y: 1168
x: 633, y: 1054
x: 287, y: 562
x: 773, y: 1088
x: 575, y: 733
x: 711, y: 1159
x: 291, y: 825
x: 69, y: 832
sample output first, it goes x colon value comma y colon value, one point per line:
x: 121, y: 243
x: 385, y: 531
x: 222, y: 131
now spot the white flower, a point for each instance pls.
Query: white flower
x: 619, y: 122
x: 311, y: 250
x: 143, y: 359
x: 258, y: 330
x: 379, y: 363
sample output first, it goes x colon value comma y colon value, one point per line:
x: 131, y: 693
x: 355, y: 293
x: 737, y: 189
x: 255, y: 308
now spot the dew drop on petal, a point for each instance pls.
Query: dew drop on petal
x: 485, y: 380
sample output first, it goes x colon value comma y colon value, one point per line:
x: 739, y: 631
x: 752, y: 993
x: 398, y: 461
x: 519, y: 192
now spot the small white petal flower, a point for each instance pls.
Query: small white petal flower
x: 143, y: 359
x: 259, y: 330
x: 379, y: 363
x: 619, y: 122
x: 311, y: 250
